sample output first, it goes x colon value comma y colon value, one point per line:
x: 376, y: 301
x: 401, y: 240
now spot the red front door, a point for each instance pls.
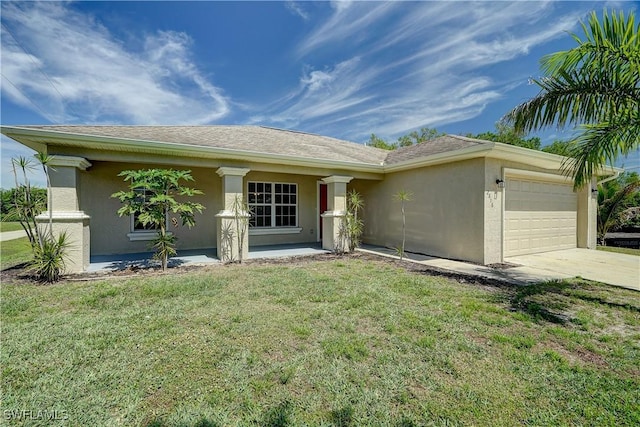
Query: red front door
x: 323, y: 204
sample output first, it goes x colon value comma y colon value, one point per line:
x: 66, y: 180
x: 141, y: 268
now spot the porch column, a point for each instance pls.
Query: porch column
x: 333, y: 218
x: 64, y: 210
x: 588, y: 216
x: 232, y: 232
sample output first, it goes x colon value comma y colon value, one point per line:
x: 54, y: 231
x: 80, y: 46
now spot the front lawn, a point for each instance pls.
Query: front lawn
x: 628, y: 251
x: 346, y: 341
x: 14, y: 252
x: 10, y: 226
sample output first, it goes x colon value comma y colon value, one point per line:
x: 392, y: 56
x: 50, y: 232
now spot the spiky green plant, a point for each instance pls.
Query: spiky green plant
x: 49, y: 251
x: 49, y: 258
x: 355, y: 225
x: 351, y: 226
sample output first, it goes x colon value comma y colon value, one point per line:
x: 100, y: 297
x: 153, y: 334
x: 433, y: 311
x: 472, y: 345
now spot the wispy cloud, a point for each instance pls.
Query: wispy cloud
x: 348, y: 24
x: 74, y: 70
x: 413, y: 65
x: 296, y: 9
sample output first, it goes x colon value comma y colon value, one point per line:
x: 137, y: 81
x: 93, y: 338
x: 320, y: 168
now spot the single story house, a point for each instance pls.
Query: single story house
x: 473, y: 200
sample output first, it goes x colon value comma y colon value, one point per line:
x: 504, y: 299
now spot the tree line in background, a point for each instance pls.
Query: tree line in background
x: 37, y: 196
x: 503, y: 133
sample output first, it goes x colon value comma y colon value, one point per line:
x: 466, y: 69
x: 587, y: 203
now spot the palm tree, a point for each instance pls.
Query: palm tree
x: 614, y: 198
x: 595, y: 87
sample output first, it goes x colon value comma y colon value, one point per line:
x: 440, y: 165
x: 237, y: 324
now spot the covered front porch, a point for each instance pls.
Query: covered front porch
x: 290, y: 211
x: 105, y: 263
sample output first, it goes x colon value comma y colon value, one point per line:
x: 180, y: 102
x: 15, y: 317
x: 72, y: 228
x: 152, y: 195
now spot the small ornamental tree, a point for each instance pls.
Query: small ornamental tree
x: 355, y: 225
x: 49, y: 251
x: 351, y: 227
x: 403, y: 196
x: 151, y: 197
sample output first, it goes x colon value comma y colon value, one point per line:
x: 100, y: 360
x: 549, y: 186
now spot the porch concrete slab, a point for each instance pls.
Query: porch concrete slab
x: 277, y: 251
x: 145, y: 260
x: 198, y: 256
x: 607, y: 267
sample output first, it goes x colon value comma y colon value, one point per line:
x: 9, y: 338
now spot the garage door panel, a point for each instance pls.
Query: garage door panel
x: 539, y: 216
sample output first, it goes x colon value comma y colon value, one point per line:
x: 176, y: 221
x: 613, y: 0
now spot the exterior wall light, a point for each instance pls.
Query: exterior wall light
x: 500, y: 183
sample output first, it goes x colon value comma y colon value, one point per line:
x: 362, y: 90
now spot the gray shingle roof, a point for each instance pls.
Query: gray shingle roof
x: 257, y: 139
x: 266, y: 140
x: 436, y: 146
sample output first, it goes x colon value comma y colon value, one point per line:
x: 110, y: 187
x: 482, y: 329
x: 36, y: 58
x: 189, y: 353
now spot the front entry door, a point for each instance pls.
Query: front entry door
x: 322, y: 203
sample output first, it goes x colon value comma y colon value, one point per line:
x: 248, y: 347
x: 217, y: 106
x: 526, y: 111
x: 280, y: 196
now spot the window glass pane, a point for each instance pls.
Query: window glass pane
x: 142, y: 196
x: 272, y: 204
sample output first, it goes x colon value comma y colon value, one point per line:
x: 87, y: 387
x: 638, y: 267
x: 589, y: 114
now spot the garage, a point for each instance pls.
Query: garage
x: 540, y: 214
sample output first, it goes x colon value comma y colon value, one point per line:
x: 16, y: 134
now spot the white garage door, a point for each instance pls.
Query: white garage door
x: 539, y: 216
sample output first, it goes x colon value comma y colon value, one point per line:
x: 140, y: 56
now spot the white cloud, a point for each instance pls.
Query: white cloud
x: 296, y: 9
x: 91, y: 76
x: 347, y: 24
x: 414, y: 64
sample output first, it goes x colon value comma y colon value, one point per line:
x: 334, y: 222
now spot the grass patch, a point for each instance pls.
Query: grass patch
x: 10, y: 226
x: 14, y: 252
x: 628, y: 251
x: 343, y: 342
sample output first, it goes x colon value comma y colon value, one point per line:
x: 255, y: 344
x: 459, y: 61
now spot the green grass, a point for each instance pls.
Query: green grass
x: 628, y: 251
x: 337, y: 342
x: 10, y: 226
x: 14, y: 252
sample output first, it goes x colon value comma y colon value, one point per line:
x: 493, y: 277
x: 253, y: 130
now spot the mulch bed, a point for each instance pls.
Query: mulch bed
x: 19, y: 275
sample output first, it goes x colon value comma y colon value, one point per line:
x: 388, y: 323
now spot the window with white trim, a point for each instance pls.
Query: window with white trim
x: 136, y: 225
x: 272, y: 204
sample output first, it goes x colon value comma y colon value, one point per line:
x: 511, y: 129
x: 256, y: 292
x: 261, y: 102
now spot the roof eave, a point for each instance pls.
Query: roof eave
x: 436, y: 159
x: 540, y: 158
x: 41, y: 138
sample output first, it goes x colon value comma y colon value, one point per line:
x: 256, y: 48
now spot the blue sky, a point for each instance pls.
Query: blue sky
x: 342, y: 69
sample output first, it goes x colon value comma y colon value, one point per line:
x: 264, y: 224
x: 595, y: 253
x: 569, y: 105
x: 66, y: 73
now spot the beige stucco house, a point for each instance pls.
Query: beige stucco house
x: 472, y: 200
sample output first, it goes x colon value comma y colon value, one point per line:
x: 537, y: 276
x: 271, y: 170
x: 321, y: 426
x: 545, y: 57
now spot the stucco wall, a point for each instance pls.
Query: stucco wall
x: 445, y: 217
x: 109, y: 231
x: 307, y: 208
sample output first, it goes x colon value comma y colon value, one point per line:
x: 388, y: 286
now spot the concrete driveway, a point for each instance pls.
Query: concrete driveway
x: 12, y: 235
x: 606, y: 267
